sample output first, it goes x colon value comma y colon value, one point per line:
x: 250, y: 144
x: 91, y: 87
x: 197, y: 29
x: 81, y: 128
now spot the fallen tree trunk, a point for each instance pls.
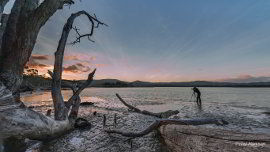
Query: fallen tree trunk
x: 160, y: 122
x: 19, y: 121
x: 165, y: 114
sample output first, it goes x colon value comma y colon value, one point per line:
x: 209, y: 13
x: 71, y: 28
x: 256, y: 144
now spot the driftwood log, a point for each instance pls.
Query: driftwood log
x: 165, y: 114
x: 160, y: 122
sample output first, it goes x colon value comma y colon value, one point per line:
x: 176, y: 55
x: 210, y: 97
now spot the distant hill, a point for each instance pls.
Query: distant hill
x: 199, y: 84
x: 39, y: 82
x: 34, y: 82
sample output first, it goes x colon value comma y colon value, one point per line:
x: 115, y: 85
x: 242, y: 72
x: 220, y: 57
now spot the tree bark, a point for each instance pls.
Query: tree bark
x: 23, y: 25
x: 3, y: 20
x: 75, y: 106
x: 17, y: 44
x: 18, y: 121
x: 2, y: 6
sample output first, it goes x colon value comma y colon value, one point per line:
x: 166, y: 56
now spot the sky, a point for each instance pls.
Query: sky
x: 159, y: 40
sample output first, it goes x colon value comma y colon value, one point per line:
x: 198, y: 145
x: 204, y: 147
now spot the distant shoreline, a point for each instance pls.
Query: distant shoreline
x: 64, y: 88
x: 184, y: 87
x: 38, y: 82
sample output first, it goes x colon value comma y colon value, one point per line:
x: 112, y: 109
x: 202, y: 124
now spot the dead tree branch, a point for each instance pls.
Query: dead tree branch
x: 75, y: 100
x: 155, y: 125
x: 83, y: 86
x: 47, y: 8
x: 159, y: 122
x: 165, y: 114
x: 61, y: 111
x: 95, y: 24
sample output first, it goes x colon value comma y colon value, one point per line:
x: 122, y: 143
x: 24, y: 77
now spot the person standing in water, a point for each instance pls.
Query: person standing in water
x: 198, y: 95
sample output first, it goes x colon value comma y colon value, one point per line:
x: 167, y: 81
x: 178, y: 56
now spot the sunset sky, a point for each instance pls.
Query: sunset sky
x: 159, y: 40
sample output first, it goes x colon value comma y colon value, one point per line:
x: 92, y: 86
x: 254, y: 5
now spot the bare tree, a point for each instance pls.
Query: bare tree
x: 23, y: 25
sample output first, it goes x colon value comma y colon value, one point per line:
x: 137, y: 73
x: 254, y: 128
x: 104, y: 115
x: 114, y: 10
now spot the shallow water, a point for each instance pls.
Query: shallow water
x: 251, y: 97
x: 243, y: 108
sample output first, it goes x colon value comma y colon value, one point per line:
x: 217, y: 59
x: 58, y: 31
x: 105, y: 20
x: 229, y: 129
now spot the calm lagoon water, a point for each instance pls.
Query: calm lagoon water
x: 243, y: 107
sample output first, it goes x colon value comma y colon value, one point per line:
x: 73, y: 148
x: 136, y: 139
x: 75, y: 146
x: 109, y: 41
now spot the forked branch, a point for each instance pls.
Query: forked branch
x: 61, y: 111
x: 81, y: 88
